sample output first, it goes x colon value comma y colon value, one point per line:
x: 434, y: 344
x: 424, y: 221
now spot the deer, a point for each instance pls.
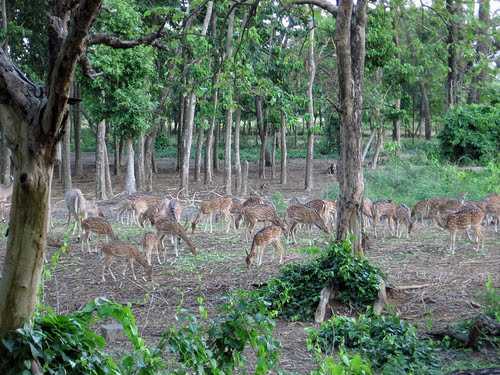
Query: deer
x: 325, y: 208
x: 270, y: 235
x: 249, y: 202
x: 117, y: 249
x: 211, y: 207
x: 301, y: 214
x: 167, y: 227
x: 150, y: 244
x: 383, y: 208
x: 99, y: 226
x: 443, y: 205
x: 463, y: 219
x: 260, y: 213
x: 80, y: 208
x: 367, y: 212
x: 492, y: 208
x: 167, y: 208
x: 403, y: 216
x: 5, y: 194
x: 126, y: 212
x: 420, y: 210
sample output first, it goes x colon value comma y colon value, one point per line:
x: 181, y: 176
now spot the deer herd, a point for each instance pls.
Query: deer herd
x: 172, y: 218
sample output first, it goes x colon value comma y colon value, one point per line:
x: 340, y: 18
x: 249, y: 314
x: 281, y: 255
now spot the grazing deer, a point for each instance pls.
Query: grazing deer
x: 167, y: 227
x: 403, y: 216
x: 325, y: 208
x: 126, y: 213
x: 97, y: 225
x: 211, y: 207
x: 249, y: 202
x: 465, y: 218
x: 383, y: 208
x: 270, y: 235
x: 117, y: 249
x: 169, y: 208
x: 79, y: 208
x: 150, y: 245
x: 260, y: 213
x: 300, y: 214
x: 140, y: 203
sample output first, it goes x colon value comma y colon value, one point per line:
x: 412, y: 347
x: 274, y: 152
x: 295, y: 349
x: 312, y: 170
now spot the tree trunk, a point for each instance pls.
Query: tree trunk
x: 130, y: 176
x: 197, y: 159
x: 66, y: 156
x: 5, y: 172
x: 237, y: 161
x: 396, y: 123
x: 229, y: 111
x: 284, y: 155
x: 350, y: 47
x: 120, y: 152
x: 216, y: 146
x: 453, y: 8
x: 368, y: 144
x: 77, y: 125
x: 180, y: 132
x: 483, y: 47
x: 209, y: 147
x: 426, y: 112
x: 139, y: 163
x: 378, y: 146
x: 148, y: 160
x: 116, y: 167
x: 262, y: 128
x: 100, y: 191
x: 311, y: 67
x: 273, y: 156
x: 245, y: 178
x: 107, y: 173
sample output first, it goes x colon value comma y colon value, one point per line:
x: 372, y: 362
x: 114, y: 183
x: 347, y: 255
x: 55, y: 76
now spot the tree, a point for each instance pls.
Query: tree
x: 33, y: 119
x: 229, y: 111
x: 311, y: 67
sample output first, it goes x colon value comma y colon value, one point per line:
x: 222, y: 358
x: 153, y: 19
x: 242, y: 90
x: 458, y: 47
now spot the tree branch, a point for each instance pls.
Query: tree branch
x: 327, y: 5
x: 64, y: 68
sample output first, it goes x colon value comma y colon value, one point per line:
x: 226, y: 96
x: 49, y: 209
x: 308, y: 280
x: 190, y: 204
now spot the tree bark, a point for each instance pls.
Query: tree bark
x: 396, y: 122
x: 107, y: 173
x: 237, y: 161
x: 180, y: 132
x: 139, y: 162
x: 350, y: 47
x: 311, y: 67
x: 197, y: 159
x: 77, y: 125
x: 262, y: 129
x: 66, y: 156
x: 100, y: 191
x: 229, y: 111
x: 273, y: 156
x: 216, y: 146
x: 130, y: 187
x: 453, y: 9
x: 245, y: 178
x: 283, y: 146
x: 209, y: 148
x: 5, y: 172
x: 368, y: 144
x: 148, y: 160
x: 426, y: 112
x: 378, y: 146
x: 116, y: 166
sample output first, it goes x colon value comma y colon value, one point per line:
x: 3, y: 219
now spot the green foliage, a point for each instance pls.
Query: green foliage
x: 491, y: 297
x: 471, y: 133
x: 295, y: 293
x: 218, y: 348
x: 391, y: 344
x: 346, y: 365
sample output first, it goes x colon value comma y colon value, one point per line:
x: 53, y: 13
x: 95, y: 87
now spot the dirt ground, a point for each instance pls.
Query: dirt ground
x: 440, y: 288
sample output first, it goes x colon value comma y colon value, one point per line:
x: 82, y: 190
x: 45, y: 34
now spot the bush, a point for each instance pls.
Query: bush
x: 295, y: 293
x: 391, y: 344
x: 471, y: 133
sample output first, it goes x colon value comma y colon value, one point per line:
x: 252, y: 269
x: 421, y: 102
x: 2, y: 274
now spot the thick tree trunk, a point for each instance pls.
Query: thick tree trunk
x: 100, y: 191
x: 426, y: 112
x: 139, y: 163
x: 311, y: 67
x: 262, y: 128
x: 148, y: 161
x: 66, y: 156
x: 5, y: 171
x: 130, y: 187
x: 283, y: 147
x: 209, y: 147
x: 197, y: 158
x: 350, y: 47
x: 77, y: 125
x: 237, y: 161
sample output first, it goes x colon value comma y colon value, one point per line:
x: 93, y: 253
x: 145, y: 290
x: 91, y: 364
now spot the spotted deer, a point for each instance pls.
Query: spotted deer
x: 421, y: 210
x: 270, y: 235
x: 301, y: 214
x: 115, y: 249
x: 463, y: 219
x: 211, y: 207
x: 80, y: 208
x: 249, y: 202
x: 98, y: 226
x: 325, y: 208
x: 167, y: 227
x: 140, y: 203
x: 150, y: 245
x: 492, y: 209
x: 126, y: 213
x: 367, y: 211
x: 383, y: 208
x: 403, y: 217
x: 440, y: 206
x: 260, y: 213
x: 169, y: 208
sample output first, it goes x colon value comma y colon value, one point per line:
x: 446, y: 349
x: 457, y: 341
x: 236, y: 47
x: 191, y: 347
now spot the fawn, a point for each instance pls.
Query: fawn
x: 79, y: 208
x: 383, y: 208
x: 150, y: 244
x: 403, y: 216
x: 97, y: 225
x: 300, y: 214
x: 167, y: 227
x: 221, y: 205
x: 117, y: 249
x: 467, y: 217
x: 270, y: 235
x: 260, y: 213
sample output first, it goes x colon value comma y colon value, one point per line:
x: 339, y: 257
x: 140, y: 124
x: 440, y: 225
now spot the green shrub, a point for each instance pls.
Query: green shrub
x: 471, y: 133
x: 491, y: 297
x: 346, y: 365
x: 295, y: 293
x: 390, y: 343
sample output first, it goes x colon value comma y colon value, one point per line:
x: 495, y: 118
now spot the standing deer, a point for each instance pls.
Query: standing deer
x: 249, y: 202
x: 421, y: 210
x: 403, y: 216
x: 383, y: 208
x: 325, y: 208
x: 79, y: 208
x: 300, y: 214
x: 465, y: 218
x: 211, y: 207
x: 270, y: 235
x: 167, y: 227
x: 116, y: 249
x: 97, y: 225
x: 260, y: 213
x: 150, y: 244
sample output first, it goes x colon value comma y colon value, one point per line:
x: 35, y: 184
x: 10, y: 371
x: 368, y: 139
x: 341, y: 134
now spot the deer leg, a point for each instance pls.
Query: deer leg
x: 260, y: 253
x: 452, y: 242
x: 132, y: 268
x: 176, y: 248
x: 158, y: 254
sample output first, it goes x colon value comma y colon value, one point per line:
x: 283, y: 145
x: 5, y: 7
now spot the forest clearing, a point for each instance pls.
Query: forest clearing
x: 249, y: 186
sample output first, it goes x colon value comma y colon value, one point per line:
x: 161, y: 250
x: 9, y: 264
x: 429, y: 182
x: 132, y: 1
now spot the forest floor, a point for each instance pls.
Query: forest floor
x: 442, y: 288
